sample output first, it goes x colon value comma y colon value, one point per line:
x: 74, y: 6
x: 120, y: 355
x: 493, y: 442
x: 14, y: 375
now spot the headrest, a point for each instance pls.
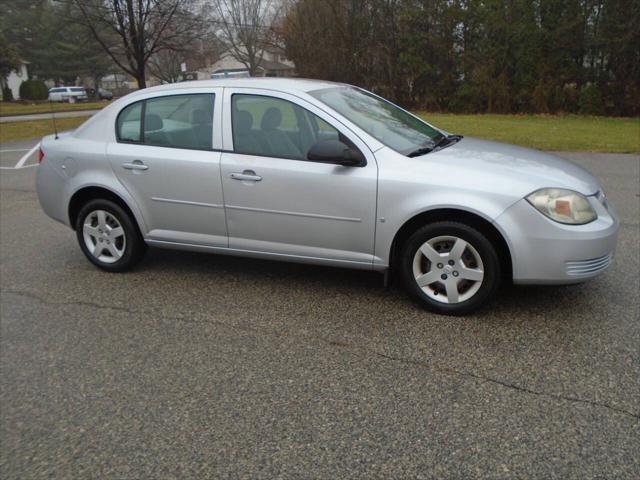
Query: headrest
x: 243, y: 121
x: 152, y: 122
x: 200, y: 116
x: 271, y: 119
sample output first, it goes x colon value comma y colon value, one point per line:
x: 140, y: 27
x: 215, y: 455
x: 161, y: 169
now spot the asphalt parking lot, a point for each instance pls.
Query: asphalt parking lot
x: 202, y: 366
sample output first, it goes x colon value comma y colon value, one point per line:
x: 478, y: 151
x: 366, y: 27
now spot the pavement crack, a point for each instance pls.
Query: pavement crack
x: 338, y: 344
x: 75, y: 302
x: 131, y: 311
x: 31, y: 192
x: 482, y: 378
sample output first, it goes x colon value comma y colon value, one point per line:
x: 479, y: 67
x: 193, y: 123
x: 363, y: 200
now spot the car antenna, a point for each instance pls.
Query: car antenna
x: 53, y: 119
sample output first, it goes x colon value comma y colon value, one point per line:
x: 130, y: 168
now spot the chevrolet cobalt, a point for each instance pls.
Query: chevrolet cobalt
x: 323, y: 173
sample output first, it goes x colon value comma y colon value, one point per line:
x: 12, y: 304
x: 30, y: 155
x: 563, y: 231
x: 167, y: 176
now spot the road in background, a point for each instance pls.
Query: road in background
x: 206, y: 366
x: 45, y: 116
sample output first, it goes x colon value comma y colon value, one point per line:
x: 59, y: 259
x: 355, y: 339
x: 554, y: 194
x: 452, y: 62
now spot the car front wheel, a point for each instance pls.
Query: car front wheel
x: 450, y: 268
x: 108, y: 236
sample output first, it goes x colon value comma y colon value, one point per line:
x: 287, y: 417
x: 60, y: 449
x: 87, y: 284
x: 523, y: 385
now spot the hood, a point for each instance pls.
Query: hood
x: 523, y: 167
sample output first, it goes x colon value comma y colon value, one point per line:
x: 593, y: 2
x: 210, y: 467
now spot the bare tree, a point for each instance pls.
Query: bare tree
x: 246, y: 29
x: 165, y: 66
x: 132, y: 31
x: 9, y: 60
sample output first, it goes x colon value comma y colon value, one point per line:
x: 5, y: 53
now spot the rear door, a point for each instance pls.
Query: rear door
x: 164, y: 155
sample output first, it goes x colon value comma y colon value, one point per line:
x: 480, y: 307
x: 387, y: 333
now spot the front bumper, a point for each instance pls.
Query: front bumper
x: 547, y: 252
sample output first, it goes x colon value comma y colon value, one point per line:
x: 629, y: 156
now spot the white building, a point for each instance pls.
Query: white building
x: 273, y: 64
x: 15, y: 78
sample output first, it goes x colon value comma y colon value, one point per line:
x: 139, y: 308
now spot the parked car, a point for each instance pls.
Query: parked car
x: 105, y: 94
x: 100, y: 93
x: 323, y: 173
x: 230, y: 73
x: 68, y: 94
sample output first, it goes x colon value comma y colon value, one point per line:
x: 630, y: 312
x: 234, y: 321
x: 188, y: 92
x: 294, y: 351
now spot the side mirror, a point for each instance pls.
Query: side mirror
x: 333, y: 151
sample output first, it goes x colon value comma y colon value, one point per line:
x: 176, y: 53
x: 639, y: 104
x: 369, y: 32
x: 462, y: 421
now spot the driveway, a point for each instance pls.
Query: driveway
x: 203, y: 366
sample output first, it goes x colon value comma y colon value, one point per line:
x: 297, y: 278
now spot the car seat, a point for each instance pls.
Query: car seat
x: 202, y: 128
x: 245, y: 139
x: 153, y: 133
x: 278, y: 142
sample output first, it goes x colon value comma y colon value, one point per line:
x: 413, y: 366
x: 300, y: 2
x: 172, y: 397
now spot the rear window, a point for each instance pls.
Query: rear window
x: 77, y: 89
x: 176, y: 121
x: 128, y: 125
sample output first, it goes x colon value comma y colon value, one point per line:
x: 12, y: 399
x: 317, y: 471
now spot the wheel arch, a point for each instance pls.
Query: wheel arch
x: 454, y: 214
x: 87, y: 193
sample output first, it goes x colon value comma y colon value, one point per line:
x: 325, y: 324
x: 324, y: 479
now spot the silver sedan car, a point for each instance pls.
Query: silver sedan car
x: 323, y: 173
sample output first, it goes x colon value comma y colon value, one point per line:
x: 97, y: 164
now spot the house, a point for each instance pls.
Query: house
x: 16, y: 77
x: 118, y: 81
x: 274, y: 64
x: 120, y: 84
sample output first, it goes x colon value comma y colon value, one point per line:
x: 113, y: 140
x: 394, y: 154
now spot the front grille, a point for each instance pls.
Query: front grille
x: 588, y: 267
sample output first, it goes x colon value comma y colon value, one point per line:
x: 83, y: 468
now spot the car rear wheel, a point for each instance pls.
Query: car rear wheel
x: 108, y: 236
x: 450, y: 268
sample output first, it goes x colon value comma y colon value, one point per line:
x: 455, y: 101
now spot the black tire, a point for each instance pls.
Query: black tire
x: 483, y: 247
x: 134, y: 245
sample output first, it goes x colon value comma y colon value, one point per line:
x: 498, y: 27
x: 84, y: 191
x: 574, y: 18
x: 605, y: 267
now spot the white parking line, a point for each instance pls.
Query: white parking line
x: 24, y: 158
x: 19, y: 168
x: 17, y: 150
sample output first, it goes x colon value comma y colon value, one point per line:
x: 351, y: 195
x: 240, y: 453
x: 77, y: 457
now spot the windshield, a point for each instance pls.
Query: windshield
x: 381, y: 119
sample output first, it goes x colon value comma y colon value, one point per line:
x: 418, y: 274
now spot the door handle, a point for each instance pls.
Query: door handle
x: 135, y: 165
x: 247, y: 175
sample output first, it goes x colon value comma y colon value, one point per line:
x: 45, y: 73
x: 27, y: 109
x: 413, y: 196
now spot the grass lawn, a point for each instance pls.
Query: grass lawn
x: 18, y: 108
x: 37, y: 128
x: 547, y: 132
x: 544, y: 132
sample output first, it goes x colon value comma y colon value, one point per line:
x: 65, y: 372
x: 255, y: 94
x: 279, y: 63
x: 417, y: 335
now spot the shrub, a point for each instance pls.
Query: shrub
x: 540, y: 98
x: 567, y: 98
x: 590, y: 101
x: 33, y: 90
x: 7, y: 94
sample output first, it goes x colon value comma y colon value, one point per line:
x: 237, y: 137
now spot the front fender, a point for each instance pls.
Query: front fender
x: 396, y: 209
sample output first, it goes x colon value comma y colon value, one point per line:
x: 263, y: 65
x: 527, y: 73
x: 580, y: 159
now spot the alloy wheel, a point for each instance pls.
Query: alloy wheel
x: 448, y: 269
x: 104, y: 236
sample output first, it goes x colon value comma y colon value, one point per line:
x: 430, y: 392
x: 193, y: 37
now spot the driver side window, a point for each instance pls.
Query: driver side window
x: 272, y: 127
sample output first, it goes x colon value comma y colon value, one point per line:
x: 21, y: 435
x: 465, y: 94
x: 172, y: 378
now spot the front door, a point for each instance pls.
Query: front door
x: 164, y: 157
x: 276, y: 200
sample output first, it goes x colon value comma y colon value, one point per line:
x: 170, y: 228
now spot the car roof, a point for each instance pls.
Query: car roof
x: 284, y: 84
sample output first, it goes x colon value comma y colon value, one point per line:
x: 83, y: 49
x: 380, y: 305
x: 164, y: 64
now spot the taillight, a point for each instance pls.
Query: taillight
x: 40, y: 155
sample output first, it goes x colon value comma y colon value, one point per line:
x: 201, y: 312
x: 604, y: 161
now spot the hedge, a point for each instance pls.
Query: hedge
x: 33, y: 90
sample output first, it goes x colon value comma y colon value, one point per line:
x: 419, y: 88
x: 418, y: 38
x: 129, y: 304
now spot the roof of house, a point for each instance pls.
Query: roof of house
x: 269, y: 65
x: 120, y: 77
x: 231, y: 70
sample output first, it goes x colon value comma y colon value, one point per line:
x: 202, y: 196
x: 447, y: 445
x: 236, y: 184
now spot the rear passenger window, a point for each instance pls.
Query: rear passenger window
x: 180, y: 121
x: 128, y: 125
x: 177, y: 121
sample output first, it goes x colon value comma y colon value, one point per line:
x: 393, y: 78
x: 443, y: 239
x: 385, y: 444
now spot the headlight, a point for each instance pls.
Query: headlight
x: 564, y: 206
